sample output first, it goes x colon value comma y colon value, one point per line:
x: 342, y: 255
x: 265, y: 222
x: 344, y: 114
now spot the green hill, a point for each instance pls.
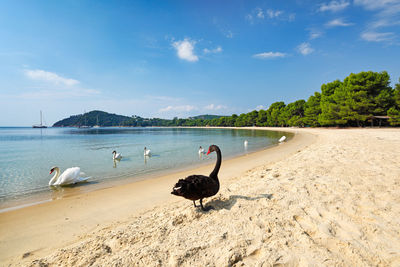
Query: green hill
x: 105, y: 119
x: 205, y: 117
x: 92, y: 118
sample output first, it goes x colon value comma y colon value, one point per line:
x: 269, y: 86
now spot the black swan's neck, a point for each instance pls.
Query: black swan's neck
x: 214, y: 173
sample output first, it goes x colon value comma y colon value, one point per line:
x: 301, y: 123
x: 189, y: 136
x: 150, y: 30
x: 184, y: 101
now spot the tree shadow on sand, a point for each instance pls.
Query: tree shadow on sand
x: 227, y: 204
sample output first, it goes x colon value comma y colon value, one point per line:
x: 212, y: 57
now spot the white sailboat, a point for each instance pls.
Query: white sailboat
x: 97, y: 124
x: 41, y: 123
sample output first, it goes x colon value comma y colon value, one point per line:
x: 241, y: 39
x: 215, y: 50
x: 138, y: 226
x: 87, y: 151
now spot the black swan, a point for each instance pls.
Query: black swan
x: 196, y: 187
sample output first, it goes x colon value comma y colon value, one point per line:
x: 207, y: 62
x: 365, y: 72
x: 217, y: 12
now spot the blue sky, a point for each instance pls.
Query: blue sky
x: 184, y: 58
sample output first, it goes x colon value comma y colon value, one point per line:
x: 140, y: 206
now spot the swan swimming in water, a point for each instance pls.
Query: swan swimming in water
x: 69, y: 176
x: 146, y: 152
x: 116, y: 155
x: 245, y: 143
x: 201, y: 150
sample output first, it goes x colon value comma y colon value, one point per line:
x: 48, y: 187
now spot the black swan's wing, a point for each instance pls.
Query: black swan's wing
x: 195, y: 187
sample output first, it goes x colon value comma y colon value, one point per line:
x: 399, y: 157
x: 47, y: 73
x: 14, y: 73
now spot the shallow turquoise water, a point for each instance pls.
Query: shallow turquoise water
x: 26, y: 154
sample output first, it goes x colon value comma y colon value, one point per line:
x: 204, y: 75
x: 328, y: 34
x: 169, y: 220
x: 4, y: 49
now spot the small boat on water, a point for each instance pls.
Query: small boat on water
x: 97, y: 124
x: 41, y: 123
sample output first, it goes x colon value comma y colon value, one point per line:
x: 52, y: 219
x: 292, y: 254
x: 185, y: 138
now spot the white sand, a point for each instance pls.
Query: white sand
x: 334, y: 202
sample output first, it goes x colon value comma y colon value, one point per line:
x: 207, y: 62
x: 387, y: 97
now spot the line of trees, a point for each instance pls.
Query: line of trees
x: 355, y: 101
x: 358, y: 100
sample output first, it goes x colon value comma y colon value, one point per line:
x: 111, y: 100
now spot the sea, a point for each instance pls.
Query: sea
x: 27, y: 155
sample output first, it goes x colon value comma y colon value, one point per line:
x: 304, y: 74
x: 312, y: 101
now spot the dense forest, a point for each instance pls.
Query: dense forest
x: 92, y: 118
x: 361, y: 99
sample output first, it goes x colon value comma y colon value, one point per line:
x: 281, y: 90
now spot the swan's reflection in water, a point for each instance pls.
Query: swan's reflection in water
x: 115, y: 162
x: 146, y: 157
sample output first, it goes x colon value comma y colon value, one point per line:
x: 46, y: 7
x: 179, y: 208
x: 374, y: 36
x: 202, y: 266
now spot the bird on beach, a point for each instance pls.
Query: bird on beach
x: 68, y: 177
x: 146, y: 152
x: 116, y: 156
x: 282, y: 139
x: 195, y: 187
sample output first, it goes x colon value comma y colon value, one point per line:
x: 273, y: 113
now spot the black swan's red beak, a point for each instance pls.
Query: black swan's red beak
x: 208, y: 151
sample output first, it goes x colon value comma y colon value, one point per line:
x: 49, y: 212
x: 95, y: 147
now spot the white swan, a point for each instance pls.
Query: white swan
x: 146, y: 152
x: 116, y: 155
x: 245, y: 143
x: 201, y: 150
x: 69, y: 176
x: 282, y: 139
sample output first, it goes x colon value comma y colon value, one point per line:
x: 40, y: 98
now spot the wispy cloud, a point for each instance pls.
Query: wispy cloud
x: 376, y: 4
x: 305, y: 49
x: 258, y: 15
x: 179, y: 108
x: 259, y: 107
x: 387, y: 15
x: 314, y: 34
x: 274, y: 13
x: 270, y: 55
x: 338, y: 23
x: 185, y: 50
x: 228, y: 34
x: 333, y: 6
x: 377, y: 36
x: 215, y: 107
x: 50, y: 77
x: 216, y: 50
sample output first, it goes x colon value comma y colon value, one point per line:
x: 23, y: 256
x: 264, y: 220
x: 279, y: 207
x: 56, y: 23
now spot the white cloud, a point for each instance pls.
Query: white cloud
x: 314, y: 34
x: 269, y: 55
x: 50, y: 77
x: 249, y: 18
x: 338, y: 23
x: 259, y: 107
x: 181, y: 108
x: 215, y: 107
x: 229, y: 34
x: 376, y: 4
x: 377, y: 36
x: 387, y: 15
x: 334, y: 6
x: 260, y: 13
x: 212, y: 51
x: 305, y: 49
x: 274, y: 13
x: 184, y: 50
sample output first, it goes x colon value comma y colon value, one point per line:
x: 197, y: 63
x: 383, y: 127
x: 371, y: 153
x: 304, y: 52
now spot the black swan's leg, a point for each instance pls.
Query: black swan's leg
x: 205, y: 209
x: 194, y: 203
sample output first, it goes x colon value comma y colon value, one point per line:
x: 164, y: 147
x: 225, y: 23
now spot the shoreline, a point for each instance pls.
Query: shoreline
x: 30, y: 199
x: 65, y: 220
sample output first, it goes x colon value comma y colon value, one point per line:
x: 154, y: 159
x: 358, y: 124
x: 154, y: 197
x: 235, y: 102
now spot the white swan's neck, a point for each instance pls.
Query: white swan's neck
x: 55, y: 177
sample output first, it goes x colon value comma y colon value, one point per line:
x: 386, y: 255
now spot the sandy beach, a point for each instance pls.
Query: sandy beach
x: 327, y: 197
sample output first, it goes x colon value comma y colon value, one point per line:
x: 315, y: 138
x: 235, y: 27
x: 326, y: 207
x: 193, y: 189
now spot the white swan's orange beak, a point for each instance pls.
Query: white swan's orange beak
x: 51, y: 171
